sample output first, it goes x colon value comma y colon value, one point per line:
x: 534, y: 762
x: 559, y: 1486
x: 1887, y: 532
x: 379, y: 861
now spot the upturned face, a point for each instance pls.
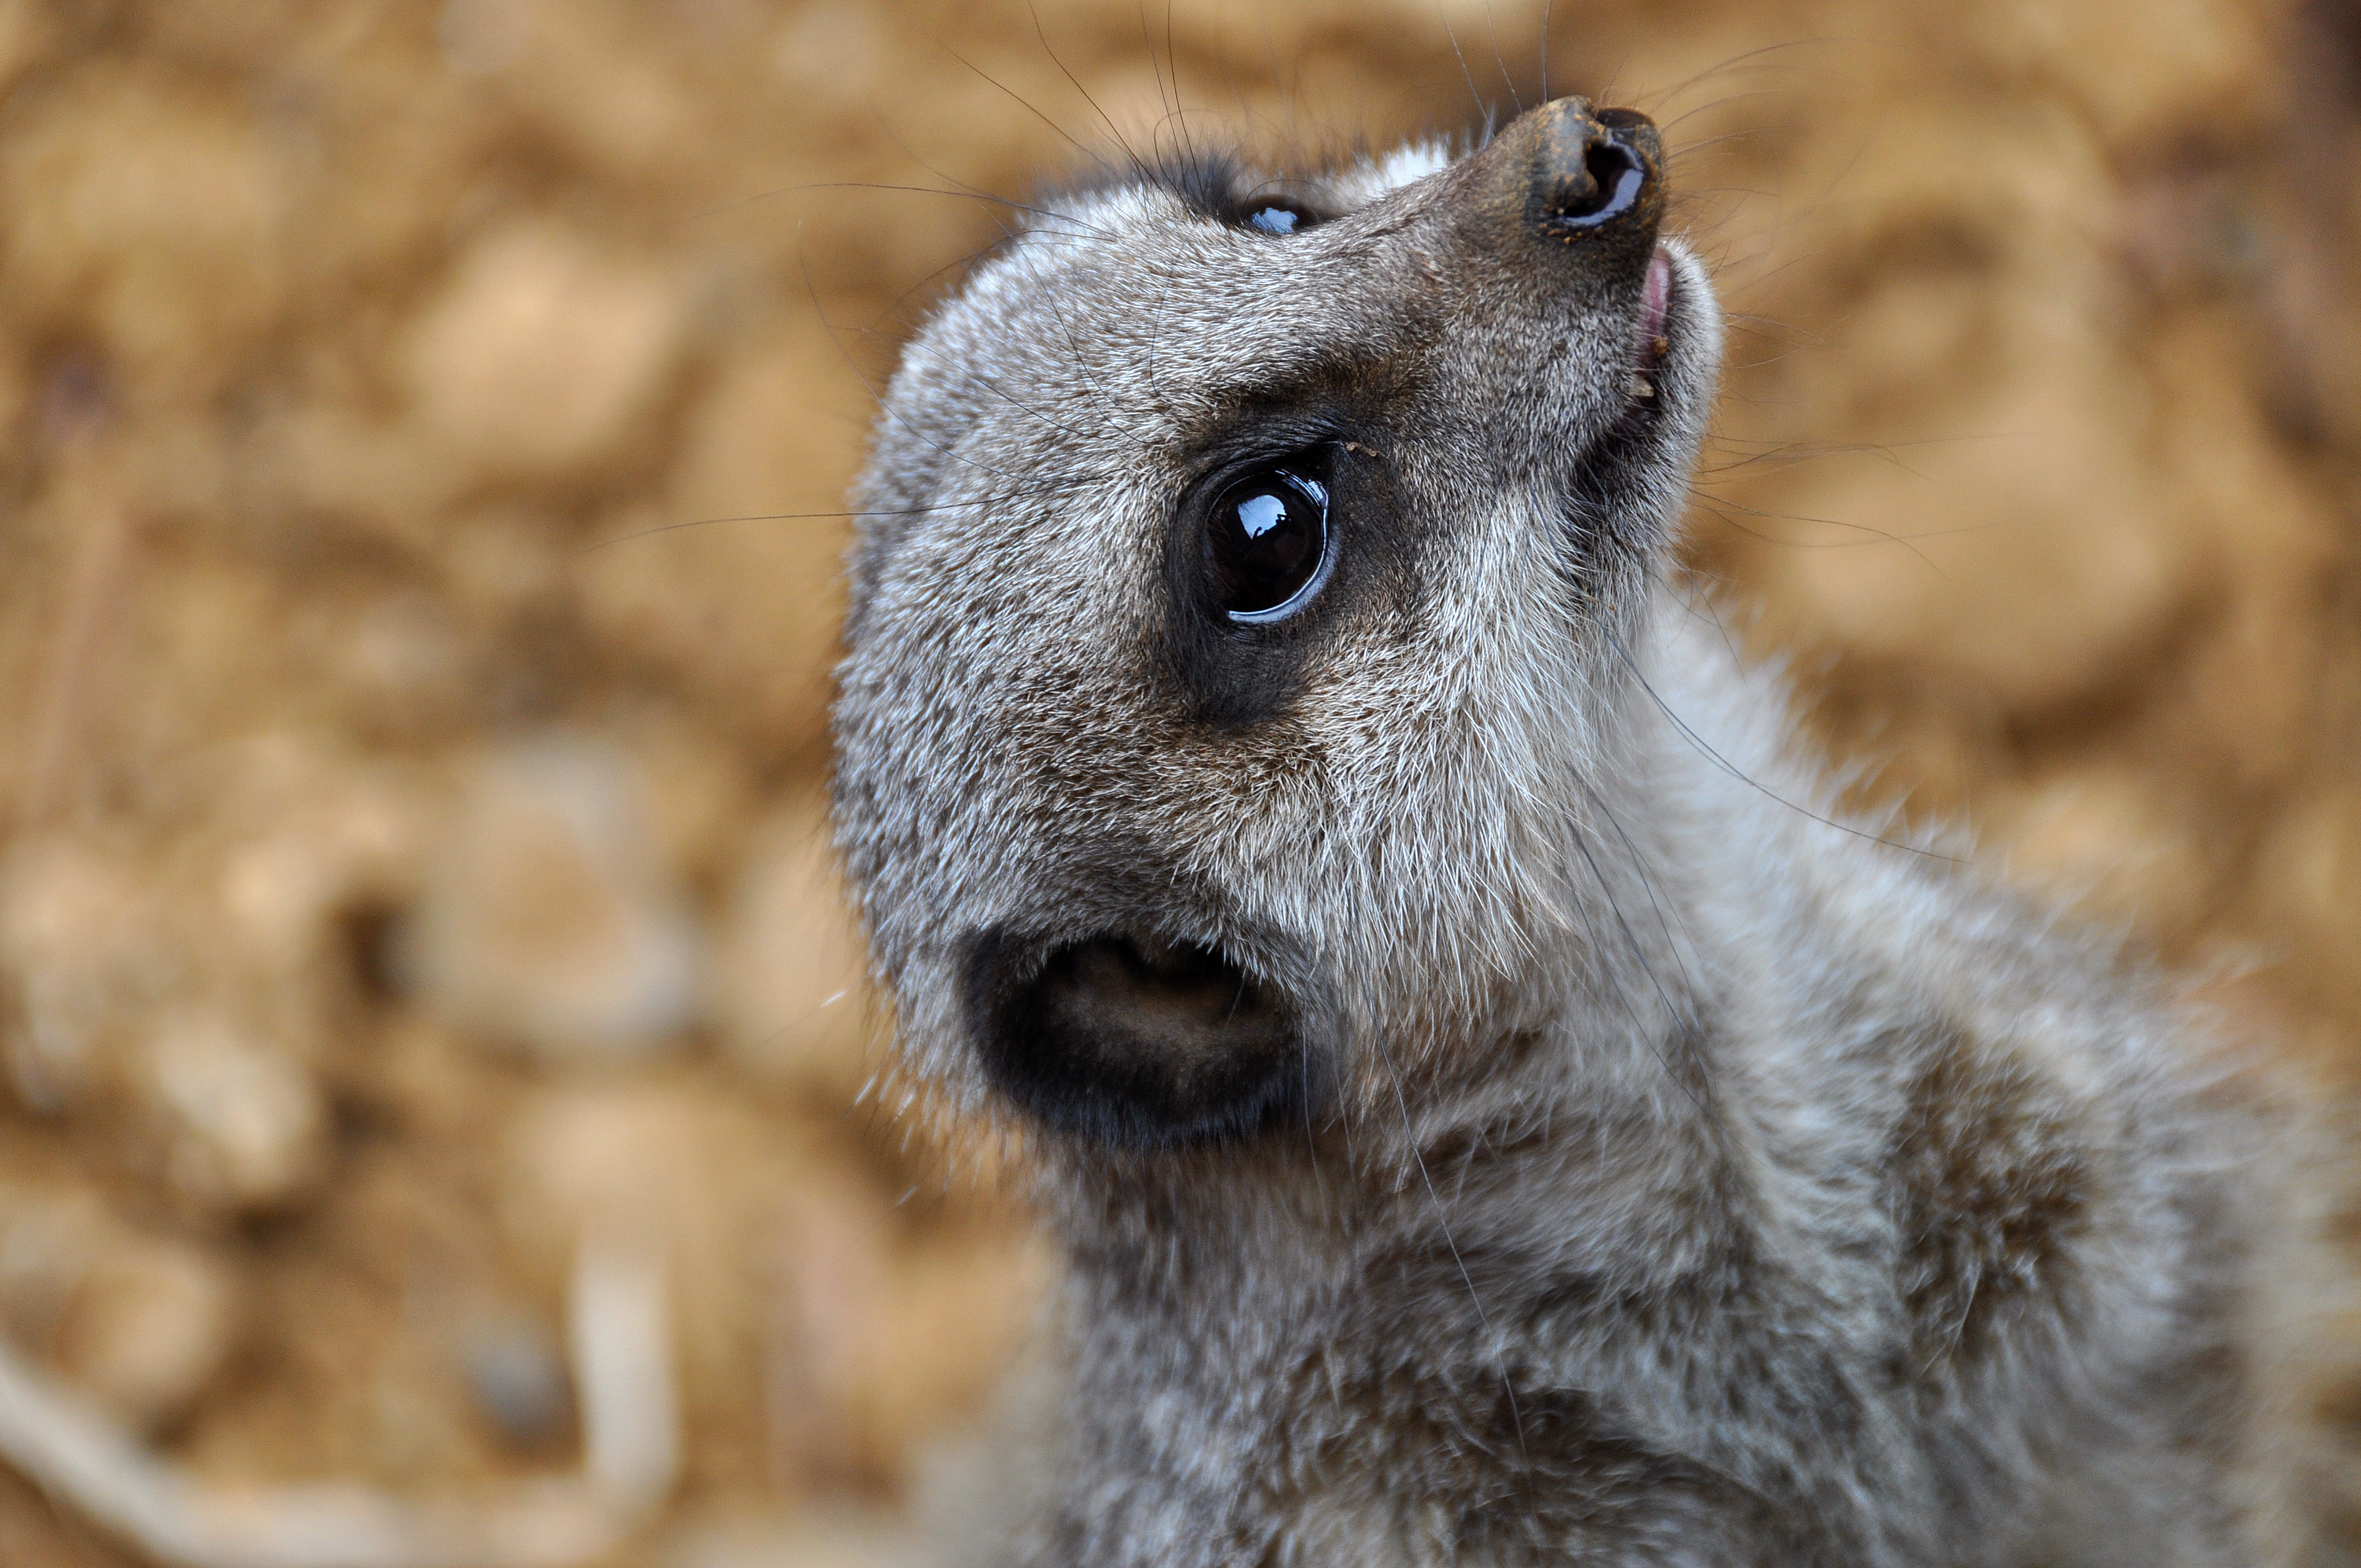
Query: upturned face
x: 1242, y: 602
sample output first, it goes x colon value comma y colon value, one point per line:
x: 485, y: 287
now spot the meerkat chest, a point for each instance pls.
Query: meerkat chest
x: 1490, y: 1473
x: 1382, y: 1425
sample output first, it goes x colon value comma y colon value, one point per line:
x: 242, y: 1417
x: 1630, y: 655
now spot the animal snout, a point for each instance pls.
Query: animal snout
x: 1589, y: 170
x: 1567, y: 191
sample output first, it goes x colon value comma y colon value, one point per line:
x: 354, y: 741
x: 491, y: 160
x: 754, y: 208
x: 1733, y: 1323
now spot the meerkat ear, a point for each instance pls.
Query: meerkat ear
x: 1134, y: 1041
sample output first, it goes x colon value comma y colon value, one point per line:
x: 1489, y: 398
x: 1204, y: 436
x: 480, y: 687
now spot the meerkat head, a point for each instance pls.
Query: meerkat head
x: 1240, y: 609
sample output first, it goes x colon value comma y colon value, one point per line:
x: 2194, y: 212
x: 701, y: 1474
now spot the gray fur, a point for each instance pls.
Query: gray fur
x: 1694, y: 1177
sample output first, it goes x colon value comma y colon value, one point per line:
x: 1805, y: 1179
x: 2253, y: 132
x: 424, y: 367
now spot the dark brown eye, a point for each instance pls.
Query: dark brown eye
x: 1267, y: 544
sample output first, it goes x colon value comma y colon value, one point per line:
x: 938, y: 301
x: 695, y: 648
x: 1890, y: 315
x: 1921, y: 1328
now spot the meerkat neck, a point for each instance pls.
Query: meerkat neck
x: 1611, y: 1073
x: 1614, y: 1110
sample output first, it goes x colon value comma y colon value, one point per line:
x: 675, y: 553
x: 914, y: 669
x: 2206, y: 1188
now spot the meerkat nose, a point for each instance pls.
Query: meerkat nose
x: 1592, y: 170
x: 1589, y: 181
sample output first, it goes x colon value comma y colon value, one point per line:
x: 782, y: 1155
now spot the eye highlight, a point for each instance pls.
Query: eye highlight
x: 1268, y: 551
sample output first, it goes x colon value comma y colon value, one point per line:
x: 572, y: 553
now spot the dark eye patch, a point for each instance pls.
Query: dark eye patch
x: 1270, y: 555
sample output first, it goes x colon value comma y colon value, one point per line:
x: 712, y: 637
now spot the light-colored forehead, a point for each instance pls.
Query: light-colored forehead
x: 1124, y: 310
x: 1161, y: 219
x: 1360, y: 183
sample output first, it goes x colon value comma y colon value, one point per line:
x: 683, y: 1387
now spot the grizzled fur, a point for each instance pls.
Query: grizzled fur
x: 1667, y: 1171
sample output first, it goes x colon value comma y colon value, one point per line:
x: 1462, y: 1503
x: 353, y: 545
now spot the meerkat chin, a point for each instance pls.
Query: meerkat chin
x: 1496, y: 1109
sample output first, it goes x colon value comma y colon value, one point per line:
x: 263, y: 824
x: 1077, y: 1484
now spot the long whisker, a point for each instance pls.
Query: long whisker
x: 1735, y: 60
x: 982, y: 197
x: 1647, y: 883
x: 1492, y: 36
x: 811, y: 291
x: 1096, y: 157
x: 1034, y: 493
x: 1481, y: 107
x: 1731, y: 768
x: 1443, y: 1220
x: 1106, y: 119
x: 1548, y: 6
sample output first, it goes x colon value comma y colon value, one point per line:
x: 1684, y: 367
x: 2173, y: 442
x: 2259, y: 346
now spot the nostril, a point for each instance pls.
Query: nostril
x: 1617, y: 172
x: 1613, y: 178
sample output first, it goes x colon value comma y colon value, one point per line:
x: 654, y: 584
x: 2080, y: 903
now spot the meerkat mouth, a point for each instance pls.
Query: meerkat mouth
x: 1655, y: 303
x: 1135, y: 1040
x: 1654, y: 319
x: 1651, y: 338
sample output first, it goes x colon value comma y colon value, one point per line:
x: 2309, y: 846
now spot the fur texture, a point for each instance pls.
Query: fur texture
x: 1661, y: 1169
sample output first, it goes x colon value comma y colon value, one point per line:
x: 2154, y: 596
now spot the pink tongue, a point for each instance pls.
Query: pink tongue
x: 1654, y: 296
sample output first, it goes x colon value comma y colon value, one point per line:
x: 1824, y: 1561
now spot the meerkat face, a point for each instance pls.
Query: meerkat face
x: 1245, y: 574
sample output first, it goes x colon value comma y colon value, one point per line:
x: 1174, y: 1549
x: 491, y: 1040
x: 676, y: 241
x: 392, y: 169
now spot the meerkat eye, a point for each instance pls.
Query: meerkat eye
x: 1278, y: 217
x: 1267, y: 544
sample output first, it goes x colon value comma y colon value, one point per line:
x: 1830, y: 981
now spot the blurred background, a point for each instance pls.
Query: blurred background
x: 419, y: 582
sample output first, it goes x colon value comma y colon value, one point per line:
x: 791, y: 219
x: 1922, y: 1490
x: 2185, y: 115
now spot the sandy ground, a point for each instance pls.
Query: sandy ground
x: 425, y: 426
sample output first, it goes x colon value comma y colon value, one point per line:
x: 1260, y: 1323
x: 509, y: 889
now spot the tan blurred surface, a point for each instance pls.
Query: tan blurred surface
x: 424, y: 425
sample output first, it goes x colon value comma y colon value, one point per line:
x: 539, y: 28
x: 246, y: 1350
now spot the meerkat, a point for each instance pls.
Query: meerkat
x: 1494, y: 1108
